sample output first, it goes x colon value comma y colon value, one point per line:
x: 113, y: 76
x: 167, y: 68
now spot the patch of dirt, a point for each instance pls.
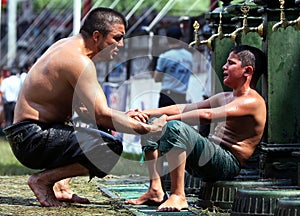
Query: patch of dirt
x: 16, y: 198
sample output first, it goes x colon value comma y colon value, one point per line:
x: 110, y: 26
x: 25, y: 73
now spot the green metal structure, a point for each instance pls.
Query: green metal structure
x: 273, y: 26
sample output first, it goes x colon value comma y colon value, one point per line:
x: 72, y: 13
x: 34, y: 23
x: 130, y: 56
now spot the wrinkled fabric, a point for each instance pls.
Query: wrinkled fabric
x: 205, y: 158
x: 44, y: 146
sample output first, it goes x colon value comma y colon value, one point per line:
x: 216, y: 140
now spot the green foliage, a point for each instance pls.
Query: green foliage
x: 179, y: 9
x: 9, y: 165
x: 129, y: 163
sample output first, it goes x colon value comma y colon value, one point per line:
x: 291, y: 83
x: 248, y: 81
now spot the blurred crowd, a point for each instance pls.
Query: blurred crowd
x: 11, y: 80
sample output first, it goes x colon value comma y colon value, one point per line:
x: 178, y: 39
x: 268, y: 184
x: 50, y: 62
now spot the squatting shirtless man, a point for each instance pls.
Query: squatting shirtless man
x: 240, y: 116
x: 61, y: 80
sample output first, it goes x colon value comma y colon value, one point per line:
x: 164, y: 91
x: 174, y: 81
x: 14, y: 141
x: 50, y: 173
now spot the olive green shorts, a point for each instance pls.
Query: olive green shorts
x: 206, y: 159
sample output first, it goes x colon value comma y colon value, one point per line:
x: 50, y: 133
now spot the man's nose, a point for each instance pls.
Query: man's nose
x: 224, y: 66
x: 120, y: 43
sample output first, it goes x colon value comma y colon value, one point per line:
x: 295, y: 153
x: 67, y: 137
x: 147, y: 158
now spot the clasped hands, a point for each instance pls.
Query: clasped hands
x: 156, y: 125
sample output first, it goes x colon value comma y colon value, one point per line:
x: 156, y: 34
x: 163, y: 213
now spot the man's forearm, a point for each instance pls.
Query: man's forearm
x: 169, y: 110
x: 194, y: 117
x: 121, y: 122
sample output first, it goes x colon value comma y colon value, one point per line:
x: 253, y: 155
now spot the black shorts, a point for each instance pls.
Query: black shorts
x: 44, y: 146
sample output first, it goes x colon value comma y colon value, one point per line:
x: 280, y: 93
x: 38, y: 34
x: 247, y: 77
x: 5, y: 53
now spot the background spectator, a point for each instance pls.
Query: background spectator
x: 10, y: 88
x: 173, y: 70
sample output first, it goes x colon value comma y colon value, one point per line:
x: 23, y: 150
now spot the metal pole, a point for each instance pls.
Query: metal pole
x: 147, y: 13
x: 113, y: 5
x: 76, y: 16
x: 191, y: 7
x: 133, y: 10
x: 161, y: 14
x: 97, y: 3
x: 12, y: 32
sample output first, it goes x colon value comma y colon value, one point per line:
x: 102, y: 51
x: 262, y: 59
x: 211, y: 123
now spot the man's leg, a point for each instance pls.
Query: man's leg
x: 64, y: 193
x: 42, y: 183
x: 177, y: 143
x: 177, y: 200
x: 155, y: 194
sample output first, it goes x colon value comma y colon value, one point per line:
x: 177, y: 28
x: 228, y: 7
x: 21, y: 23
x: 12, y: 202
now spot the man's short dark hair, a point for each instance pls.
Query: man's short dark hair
x: 252, y: 56
x: 101, y: 19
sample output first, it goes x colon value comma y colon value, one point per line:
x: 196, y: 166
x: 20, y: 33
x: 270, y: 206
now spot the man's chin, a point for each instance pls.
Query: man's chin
x: 225, y: 82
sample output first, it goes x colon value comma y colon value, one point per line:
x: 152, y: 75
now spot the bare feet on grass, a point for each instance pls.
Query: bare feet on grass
x: 43, y: 190
x: 50, y: 195
x: 174, y: 203
x: 64, y: 193
x: 151, y: 197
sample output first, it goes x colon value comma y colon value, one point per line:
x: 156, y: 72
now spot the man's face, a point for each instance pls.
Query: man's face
x: 109, y: 45
x: 233, y: 71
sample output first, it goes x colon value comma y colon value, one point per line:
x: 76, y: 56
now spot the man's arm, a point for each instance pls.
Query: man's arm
x: 90, y: 93
x: 183, y: 108
x: 158, y: 76
x: 237, y: 108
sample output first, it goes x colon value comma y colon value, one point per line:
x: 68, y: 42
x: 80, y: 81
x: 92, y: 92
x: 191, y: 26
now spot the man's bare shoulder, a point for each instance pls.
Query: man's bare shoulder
x: 253, y: 97
x: 67, y: 54
x: 252, y: 102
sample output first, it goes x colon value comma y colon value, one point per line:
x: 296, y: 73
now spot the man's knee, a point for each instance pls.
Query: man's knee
x: 175, y: 134
x: 175, y: 127
x: 116, y: 146
x: 174, y: 124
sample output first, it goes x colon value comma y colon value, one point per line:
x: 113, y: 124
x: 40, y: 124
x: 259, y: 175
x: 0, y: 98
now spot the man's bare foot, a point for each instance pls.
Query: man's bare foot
x: 151, y: 197
x: 174, y: 203
x: 64, y: 193
x: 43, y: 191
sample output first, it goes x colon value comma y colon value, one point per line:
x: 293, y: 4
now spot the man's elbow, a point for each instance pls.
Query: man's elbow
x: 103, y: 116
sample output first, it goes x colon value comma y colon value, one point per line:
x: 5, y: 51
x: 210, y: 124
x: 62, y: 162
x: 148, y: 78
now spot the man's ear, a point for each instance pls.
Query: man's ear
x: 97, y: 36
x: 248, y: 70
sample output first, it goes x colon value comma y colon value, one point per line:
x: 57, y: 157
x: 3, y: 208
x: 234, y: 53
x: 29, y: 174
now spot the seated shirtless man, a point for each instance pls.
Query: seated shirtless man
x: 240, y: 116
x: 61, y: 80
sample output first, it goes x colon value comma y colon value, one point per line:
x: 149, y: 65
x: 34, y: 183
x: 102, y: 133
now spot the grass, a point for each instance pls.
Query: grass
x: 9, y: 165
x: 17, y: 199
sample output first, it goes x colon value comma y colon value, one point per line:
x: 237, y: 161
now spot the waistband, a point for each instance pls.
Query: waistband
x: 210, y: 138
x: 26, y: 122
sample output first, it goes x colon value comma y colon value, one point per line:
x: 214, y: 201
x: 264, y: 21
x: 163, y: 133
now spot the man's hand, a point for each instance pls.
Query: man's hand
x: 159, y: 123
x: 156, y: 128
x: 138, y: 115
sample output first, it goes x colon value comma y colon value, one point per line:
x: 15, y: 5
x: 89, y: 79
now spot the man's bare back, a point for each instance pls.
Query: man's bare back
x: 47, y: 80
